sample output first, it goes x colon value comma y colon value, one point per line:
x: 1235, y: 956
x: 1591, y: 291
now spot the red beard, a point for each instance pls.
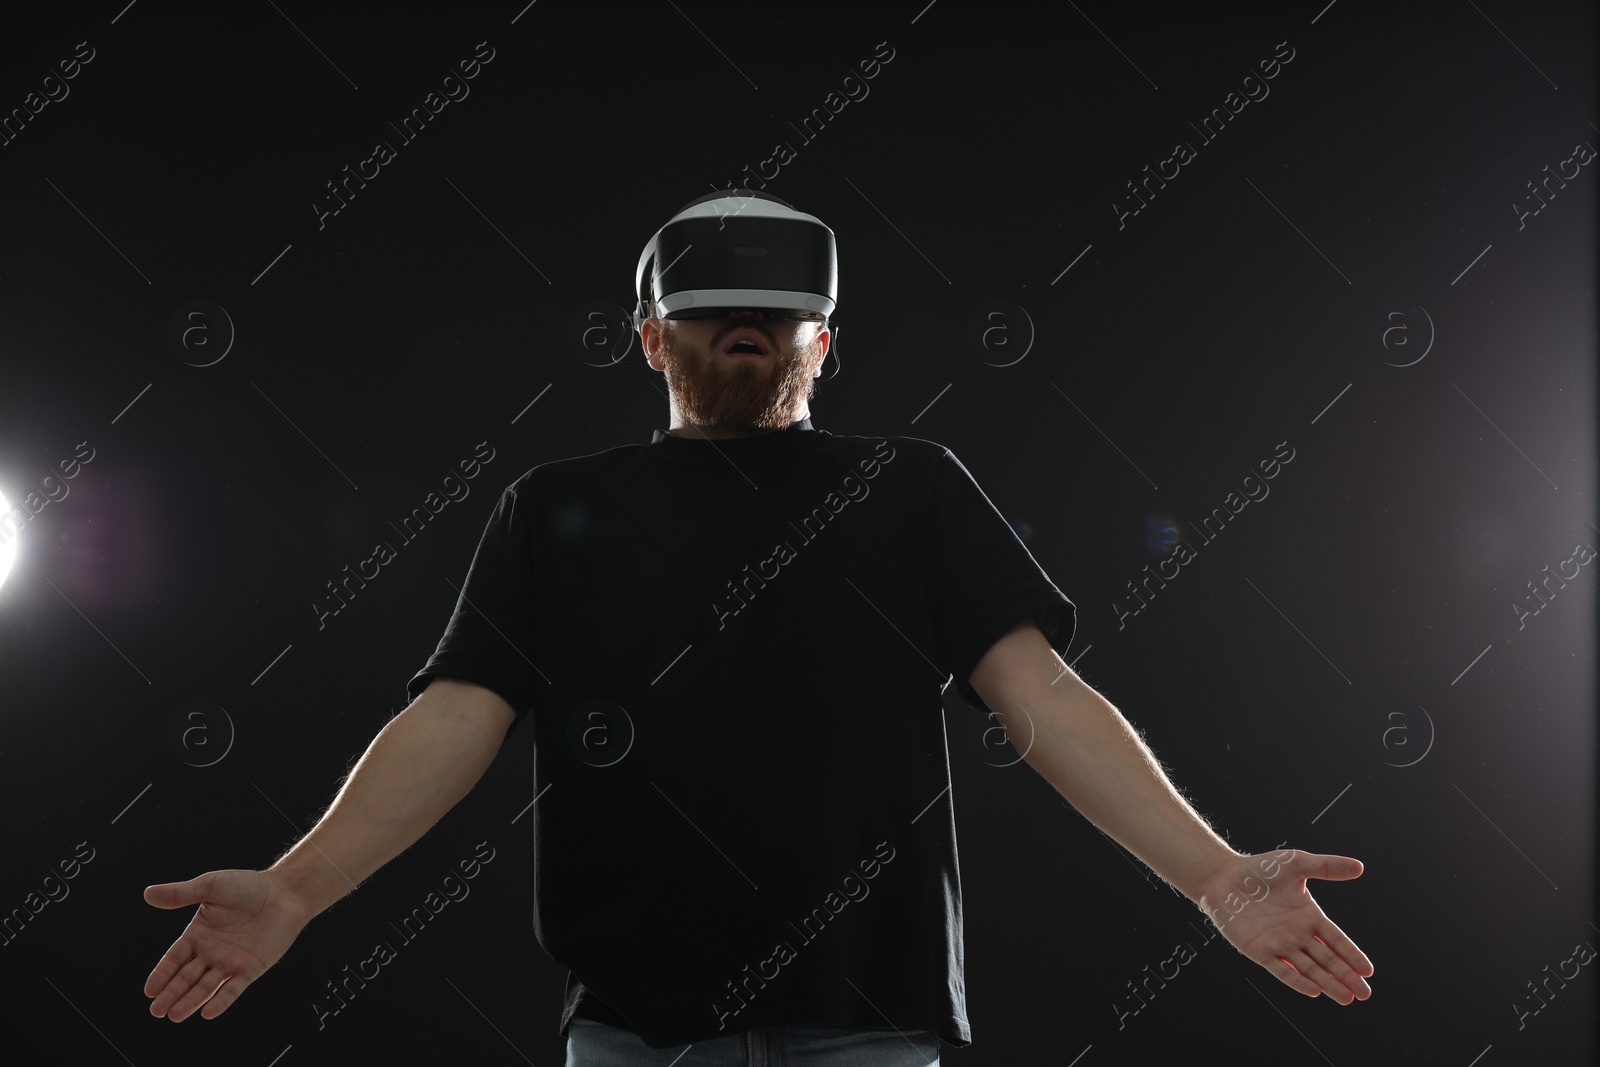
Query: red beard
x: 744, y: 395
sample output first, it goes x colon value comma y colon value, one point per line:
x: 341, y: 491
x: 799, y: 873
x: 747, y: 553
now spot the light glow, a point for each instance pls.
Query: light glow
x: 9, y: 532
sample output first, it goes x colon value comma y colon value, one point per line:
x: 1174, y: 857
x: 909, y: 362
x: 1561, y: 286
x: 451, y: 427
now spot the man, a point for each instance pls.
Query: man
x: 731, y: 644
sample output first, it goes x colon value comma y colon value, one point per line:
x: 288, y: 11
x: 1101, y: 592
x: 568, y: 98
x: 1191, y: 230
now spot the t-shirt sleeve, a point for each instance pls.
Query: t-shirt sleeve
x: 489, y: 639
x: 985, y: 580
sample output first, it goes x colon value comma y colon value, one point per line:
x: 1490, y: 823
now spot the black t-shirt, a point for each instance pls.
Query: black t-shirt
x: 732, y: 653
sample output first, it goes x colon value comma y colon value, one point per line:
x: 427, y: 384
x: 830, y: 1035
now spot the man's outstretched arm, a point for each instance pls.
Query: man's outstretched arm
x: 1084, y: 747
x: 418, y: 766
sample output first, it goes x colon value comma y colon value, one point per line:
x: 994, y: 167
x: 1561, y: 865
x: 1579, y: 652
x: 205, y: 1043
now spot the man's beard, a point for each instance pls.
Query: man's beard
x: 738, y: 394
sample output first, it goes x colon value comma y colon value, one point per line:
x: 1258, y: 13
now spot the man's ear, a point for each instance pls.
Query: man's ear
x: 650, y: 335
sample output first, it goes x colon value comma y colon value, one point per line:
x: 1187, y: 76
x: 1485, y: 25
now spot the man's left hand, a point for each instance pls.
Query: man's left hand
x: 1262, y: 906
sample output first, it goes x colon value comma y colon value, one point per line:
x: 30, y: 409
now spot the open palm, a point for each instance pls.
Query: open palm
x: 1262, y: 906
x: 245, y: 923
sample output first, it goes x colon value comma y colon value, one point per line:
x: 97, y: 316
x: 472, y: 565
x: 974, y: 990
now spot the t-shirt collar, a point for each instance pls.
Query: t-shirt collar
x: 673, y: 441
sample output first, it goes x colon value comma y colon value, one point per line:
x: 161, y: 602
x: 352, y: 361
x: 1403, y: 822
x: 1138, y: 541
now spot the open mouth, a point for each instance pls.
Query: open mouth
x: 746, y: 343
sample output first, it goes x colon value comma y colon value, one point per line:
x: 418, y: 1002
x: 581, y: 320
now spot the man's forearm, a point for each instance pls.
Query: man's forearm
x: 418, y: 766
x: 1084, y: 747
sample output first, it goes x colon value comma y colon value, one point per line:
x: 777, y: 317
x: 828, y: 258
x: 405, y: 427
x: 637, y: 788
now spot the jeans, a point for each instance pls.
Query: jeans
x: 592, y: 1044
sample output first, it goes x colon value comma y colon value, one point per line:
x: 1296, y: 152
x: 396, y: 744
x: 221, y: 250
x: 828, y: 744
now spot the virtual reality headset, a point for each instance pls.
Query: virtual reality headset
x: 738, y: 249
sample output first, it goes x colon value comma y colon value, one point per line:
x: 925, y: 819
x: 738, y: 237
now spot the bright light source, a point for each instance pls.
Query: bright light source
x: 9, y: 532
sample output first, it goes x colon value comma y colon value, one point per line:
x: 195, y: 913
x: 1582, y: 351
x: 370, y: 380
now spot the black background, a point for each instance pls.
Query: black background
x: 1342, y: 668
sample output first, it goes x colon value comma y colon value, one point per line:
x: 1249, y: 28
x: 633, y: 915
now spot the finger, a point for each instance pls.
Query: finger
x: 225, y: 997
x: 1341, y: 945
x: 198, y: 994
x: 161, y: 1006
x: 171, y: 895
x: 1340, y: 968
x: 1329, y: 868
x: 176, y: 956
x: 1325, y: 982
x: 178, y: 986
x: 1285, y: 973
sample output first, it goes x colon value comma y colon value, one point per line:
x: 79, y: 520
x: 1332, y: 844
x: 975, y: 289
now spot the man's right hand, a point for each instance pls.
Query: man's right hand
x: 245, y: 923
x: 421, y: 763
